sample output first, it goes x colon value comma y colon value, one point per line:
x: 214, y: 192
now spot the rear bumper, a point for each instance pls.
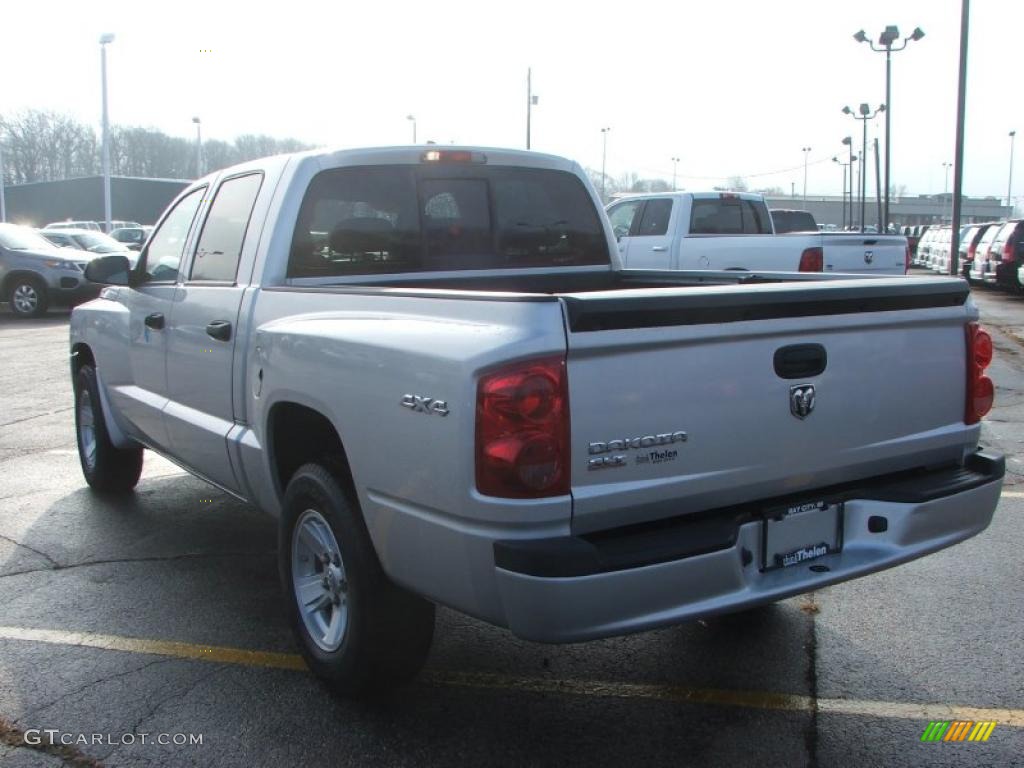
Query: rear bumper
x: 572, y: 588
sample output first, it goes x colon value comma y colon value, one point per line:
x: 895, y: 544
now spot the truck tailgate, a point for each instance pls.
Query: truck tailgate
x: 687, y: 399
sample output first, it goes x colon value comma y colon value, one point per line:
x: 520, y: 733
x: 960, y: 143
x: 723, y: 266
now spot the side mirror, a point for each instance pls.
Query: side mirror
x: 110, y: 270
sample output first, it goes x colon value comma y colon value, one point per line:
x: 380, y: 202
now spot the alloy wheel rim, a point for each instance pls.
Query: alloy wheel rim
x: 87, y: 428
x: 25, y: 298
x: 319, y: 582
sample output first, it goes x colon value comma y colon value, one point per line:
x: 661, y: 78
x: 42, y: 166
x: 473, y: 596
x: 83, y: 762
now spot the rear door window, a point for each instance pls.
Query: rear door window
x: 729, y: 216
x: 404, y: 218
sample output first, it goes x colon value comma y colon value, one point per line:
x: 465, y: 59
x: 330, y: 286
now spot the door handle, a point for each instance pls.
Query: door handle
x: 219, y: 330
x: 155, y: 321
x: 659, y: 248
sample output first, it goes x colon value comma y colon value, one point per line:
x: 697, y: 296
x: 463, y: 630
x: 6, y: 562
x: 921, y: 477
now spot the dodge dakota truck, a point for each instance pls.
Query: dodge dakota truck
x: 735, y: 230
x: 431, y: 367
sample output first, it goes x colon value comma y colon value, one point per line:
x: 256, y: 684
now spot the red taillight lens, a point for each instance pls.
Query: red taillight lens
x: 980, y: 390
x: 812, y: 260
x: 522, y: 430
x: 1008, y: 251
x: 906, y: 260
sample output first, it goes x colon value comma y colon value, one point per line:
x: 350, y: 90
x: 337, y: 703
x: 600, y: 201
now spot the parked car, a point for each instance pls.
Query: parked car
x: 132, y: 237
x: 458, y: 396
x: 91, y: 225
x: 785, y: 220
x: 919, y: 231
x: 34, y: 274
x: 84, y: 239
x: 983, y: 268
x: 1006, y: 254
x: 969, y: 245
x: 733, y: 230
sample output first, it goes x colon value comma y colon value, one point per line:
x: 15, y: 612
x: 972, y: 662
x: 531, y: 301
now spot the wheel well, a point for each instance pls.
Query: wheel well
x: 298, y: 435
x: 81, y: 355
x: 13, y: 277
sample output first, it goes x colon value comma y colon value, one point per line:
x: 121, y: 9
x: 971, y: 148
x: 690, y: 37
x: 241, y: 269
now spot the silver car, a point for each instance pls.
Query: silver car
x: 35, y: 274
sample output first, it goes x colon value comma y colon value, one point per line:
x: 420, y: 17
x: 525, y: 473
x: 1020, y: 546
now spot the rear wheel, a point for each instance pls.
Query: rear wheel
x: 358, y: 631
x: 105, y: 466
x: 28, y: 297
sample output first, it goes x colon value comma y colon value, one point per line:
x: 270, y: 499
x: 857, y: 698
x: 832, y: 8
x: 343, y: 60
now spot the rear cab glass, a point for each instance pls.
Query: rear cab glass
x: 793, y: 221
x: 403, y: 218
x: 729, y: 215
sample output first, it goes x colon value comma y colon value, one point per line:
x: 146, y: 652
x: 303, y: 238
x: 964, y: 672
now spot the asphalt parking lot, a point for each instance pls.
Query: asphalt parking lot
x: 160, y: 616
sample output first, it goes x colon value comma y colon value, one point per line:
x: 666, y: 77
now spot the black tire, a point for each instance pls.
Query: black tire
x: 388, y: 630
x: 108, y: 469
x: 28, y: 297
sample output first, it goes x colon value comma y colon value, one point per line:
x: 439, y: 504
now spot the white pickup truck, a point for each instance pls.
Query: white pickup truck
x: 431, y: 367
x: 734, y: 230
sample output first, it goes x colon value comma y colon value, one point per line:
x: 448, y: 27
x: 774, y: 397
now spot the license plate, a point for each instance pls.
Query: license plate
x: 799, y: 533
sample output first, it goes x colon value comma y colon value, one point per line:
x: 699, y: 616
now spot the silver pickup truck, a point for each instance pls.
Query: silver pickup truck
x: 431, y: 367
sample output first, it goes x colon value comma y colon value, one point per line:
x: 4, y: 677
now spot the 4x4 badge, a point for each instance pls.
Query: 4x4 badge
x: 801, y: 400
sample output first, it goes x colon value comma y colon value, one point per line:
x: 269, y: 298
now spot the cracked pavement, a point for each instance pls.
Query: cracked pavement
x: 167, y: 565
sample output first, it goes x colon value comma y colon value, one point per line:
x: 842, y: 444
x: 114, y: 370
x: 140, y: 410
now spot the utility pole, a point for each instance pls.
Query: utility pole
x: 604, y: 158
x: 882, y: 227
x: 1009, y: 181
x: 958, y: 167
x: 531, y: 102
x: 806, y: 151
x: 675, y: 163
x: 105, y: 39
x: 3, y: 205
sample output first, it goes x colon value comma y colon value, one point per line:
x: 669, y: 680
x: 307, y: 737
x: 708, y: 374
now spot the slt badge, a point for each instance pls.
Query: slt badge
x: 801, y: 400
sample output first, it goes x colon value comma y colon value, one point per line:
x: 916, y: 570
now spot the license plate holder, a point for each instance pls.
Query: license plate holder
x: 800, y: 533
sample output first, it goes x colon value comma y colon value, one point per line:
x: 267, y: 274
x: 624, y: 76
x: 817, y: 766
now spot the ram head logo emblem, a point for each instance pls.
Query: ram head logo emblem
x: 801, y: 400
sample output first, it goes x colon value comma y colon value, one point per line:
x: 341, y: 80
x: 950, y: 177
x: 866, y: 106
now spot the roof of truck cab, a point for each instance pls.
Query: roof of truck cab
x: 699, y: 195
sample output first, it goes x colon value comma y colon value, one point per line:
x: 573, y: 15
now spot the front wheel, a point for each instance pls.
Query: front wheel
x: 358, y: 631
x: 105, y: 466
x: 29, y: 297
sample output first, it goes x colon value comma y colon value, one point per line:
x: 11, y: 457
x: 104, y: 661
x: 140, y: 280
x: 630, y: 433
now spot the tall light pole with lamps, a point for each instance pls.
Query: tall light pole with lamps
x: 199, y: 148
x: 865, y: 115
x: 848, y: 143
x: 105, y: 38
x: 806, y: 151
x: 675, y: 164
x: 412, y: 119
x: 1009, y: 181
x: 886, y: 40
x: 3, y: 205
x: 945, y: 187
x: 835, y: 159
x: 604, y: 158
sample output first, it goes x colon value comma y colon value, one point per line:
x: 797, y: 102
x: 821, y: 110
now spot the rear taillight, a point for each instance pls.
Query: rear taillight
x: 906, y: 260
x: 980, y: 390
x: 812, y: 260
x: 522, y: 430
x: 1008, y: 250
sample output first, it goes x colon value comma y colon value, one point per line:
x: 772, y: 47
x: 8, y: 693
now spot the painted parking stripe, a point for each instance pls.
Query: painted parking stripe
x: 567, y: 687
x: 1012, y: 494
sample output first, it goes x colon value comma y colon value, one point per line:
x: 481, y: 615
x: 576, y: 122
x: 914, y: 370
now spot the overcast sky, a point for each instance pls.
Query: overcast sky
x: 731, y: 88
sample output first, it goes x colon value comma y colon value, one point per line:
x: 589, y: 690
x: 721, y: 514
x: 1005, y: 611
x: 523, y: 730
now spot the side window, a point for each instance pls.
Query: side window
x: 622, y: 216
x: 716, y: 216
x: 655, y: 217
x: 163, y: 256
x: 755, y: 218
x: 220, y: 244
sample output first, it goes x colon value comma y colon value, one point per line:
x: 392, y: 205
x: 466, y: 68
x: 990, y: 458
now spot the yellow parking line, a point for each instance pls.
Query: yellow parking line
x: 492, y: 681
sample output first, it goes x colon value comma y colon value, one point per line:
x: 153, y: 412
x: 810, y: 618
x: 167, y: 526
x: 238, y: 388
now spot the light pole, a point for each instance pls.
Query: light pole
x: 3, y: 205
x: 531, y: 102
x: 945, y: 187
x: 1009, y: 181
x: 806, y: 151
x: 848, y: 142
x: 844, y: 166
x: 412, y: 119
x: 199, y: 148
x: 675, y: 164
x: 886, y: 40
x: 105, y: 38
x: 604, y: 157
x: 865, y: 115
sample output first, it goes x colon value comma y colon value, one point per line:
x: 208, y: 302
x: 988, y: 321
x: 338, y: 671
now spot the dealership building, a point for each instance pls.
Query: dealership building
x: 81, y: 199
x: 919, y: 209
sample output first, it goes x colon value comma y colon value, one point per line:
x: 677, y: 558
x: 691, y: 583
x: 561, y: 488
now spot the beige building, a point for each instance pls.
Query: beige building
x: 920, y: 209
